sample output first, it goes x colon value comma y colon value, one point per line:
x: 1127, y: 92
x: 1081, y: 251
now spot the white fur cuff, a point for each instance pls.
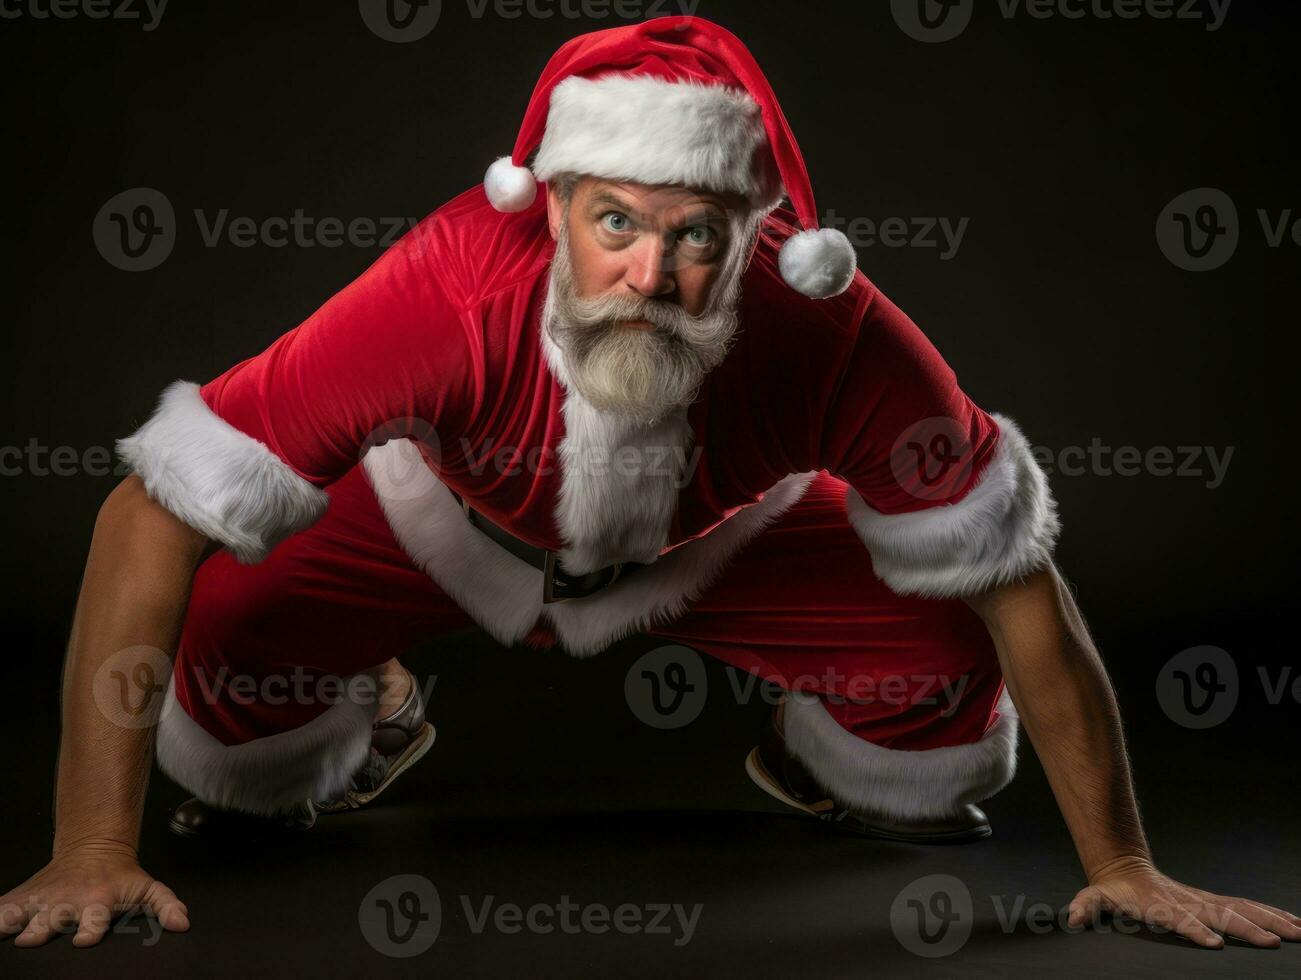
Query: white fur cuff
x: 1004, y: 528
x: 272, y: 775
x: 218, y: 480
x: 922, y: 784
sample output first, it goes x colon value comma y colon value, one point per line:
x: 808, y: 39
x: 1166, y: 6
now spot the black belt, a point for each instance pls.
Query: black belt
x: 557, y: 584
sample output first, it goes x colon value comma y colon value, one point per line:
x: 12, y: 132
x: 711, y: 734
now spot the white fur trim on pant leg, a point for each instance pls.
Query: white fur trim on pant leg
x: 1003, y: 529
x: 922, y: 784
x: 270, y: 775
x: 220, y: 481
x: 653, y: 131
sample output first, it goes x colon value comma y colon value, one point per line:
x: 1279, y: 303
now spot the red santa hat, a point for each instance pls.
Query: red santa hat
x: 673, y: 100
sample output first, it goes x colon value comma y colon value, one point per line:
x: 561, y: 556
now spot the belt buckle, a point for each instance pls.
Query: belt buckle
x: 549, y: 569
x: 549, y: 581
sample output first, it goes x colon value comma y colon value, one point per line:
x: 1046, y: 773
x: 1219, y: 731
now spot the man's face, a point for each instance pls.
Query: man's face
x: 644, y: 288
x: 665, y: 243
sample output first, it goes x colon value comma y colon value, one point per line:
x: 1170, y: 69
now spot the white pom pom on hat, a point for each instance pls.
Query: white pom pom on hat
x: 818, y: 263
x: 672, y: 100
x: 509, y: 188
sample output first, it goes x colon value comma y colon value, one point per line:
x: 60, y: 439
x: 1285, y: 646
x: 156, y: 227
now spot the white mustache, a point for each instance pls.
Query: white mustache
x: 609, y: 310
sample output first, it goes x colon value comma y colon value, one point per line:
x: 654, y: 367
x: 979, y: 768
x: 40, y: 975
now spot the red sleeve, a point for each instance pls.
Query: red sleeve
x: 900, y: 430
x: 243, y: 458
x: 947, y: 498
x: 388, y: 354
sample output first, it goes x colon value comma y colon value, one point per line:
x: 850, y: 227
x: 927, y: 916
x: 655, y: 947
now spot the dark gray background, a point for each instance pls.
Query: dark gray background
x: 1060, y: 140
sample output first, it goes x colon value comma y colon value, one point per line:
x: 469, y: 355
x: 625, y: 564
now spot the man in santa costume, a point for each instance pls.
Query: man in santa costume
x: 643, y: 398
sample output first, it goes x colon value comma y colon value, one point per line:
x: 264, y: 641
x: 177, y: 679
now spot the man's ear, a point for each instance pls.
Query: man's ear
x: 555, y: 211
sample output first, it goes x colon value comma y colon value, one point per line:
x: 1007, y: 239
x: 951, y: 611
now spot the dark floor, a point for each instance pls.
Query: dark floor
x: 544, y: 788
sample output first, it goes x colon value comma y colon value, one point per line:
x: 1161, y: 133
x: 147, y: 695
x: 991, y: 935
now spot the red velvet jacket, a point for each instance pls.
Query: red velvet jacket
x: 445, y: 328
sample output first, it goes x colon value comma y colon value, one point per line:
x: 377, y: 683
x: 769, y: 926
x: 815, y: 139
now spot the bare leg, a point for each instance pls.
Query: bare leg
x: 396, y: 683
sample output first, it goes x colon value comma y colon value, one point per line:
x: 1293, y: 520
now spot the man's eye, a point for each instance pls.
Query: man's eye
x: 699, y: 236
x: 614, y: 221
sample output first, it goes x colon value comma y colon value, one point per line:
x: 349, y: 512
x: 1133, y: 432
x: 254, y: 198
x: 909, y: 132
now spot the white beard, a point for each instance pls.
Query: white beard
x: 641, y: 374
x: 608, y: 511
x: 626, y: 451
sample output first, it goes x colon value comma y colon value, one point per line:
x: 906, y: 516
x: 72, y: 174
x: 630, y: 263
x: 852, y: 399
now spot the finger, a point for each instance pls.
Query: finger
x: 1085, y: 908
x: 63, y: 917
x: 1226, y: 920
x: 1188, y: 923
x: 1236, y: 901
x: 95, y: 920
x: 1265, y: 917
x: 14, y: 915
x: 38, y: 931
x: 1283, y: 914
x: 170, y: 910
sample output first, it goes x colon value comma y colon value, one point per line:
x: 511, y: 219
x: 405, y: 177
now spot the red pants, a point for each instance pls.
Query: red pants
x: 907, y: 711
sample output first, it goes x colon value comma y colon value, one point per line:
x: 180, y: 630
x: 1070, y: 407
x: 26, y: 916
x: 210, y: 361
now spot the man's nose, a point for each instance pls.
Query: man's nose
x: 650, y: 267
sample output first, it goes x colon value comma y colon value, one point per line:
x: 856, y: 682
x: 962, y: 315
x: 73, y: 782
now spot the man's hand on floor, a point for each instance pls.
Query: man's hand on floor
x: 84, y: 890
x: 1137, y: 889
